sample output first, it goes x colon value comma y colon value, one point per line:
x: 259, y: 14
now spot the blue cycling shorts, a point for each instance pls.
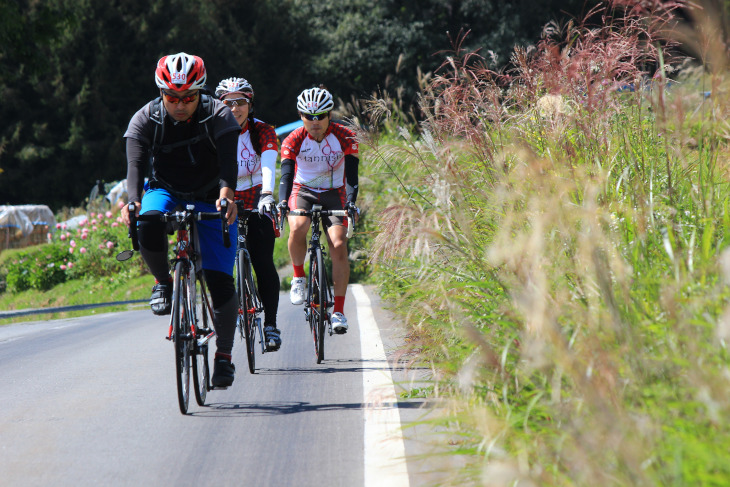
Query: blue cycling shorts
x: 215, y: 255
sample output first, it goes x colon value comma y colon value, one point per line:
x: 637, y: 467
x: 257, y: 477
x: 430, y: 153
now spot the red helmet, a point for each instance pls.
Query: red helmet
x: 180, y: 72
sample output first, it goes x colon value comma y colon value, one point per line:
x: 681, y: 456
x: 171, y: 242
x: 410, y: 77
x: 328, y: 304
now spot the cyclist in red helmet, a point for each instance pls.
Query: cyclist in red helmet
x: 319, y: 165
x: 258, y: 149
x: 190, y: 139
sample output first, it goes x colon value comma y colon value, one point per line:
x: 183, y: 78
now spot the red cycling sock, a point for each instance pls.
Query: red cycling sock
x: 298, y: 270
x: 339, y: 304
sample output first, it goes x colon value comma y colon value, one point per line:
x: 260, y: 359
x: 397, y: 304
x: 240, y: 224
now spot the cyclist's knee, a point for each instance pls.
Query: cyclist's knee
x: 221, y: 286
x: 337, y: 238
x: 298, y: 236
x: 152, y: 236
x: 298, y: 225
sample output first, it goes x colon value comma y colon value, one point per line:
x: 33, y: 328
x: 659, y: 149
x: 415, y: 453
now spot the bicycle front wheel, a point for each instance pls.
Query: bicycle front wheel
x: 246, y: 307
x: 317, y: 301
x: 180, y: 336
x: 201, y: 369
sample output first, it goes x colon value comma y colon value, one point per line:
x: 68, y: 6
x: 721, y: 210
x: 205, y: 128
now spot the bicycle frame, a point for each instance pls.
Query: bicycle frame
x: 319, y: 292
x: 250, y: 306
x: 189, y: 255
x: 187, y: 331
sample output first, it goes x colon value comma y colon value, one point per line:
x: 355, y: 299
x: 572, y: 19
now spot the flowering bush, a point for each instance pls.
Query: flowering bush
x: 41, y: 269
x: 87, y: 250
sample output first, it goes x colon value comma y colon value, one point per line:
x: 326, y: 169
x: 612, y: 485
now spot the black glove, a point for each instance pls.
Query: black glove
x: 283, y: 208
x: 351, y: 208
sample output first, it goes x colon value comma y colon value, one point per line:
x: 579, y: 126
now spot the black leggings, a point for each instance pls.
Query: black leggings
x: 260, y: 241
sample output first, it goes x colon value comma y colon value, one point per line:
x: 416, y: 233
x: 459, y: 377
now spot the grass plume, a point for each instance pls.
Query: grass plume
x: 557, y: 241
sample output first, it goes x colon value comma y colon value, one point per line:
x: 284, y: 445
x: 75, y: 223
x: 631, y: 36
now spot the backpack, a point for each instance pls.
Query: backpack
x: 206, y: 122
x: 205, y: 125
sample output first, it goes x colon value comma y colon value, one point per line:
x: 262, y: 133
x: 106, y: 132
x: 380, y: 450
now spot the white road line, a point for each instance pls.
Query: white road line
x: 385, y: 462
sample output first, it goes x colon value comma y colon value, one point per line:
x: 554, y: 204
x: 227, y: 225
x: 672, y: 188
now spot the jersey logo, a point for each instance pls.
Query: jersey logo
x: 270, y: 146
x: 286, y: 152
x: 354, y: 147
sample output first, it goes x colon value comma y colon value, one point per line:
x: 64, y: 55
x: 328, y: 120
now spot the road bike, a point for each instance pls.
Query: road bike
x: 319, y: 298
x: 250, y: 307
x: 192, y: 315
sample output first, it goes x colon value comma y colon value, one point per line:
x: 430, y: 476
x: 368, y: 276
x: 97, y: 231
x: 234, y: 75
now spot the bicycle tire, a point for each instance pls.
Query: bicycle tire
x: 245, y: 314
x: 318, y: 301
x: 180, y: 329
x: 258, y: 308
x: 201, y: 374
x: 201, y: 367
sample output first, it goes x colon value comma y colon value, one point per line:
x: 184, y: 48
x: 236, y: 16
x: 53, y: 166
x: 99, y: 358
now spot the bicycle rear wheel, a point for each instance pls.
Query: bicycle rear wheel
x: 317, y: 301
x: 201, y: 369
x: 180, y: 336
x: 246, y: 307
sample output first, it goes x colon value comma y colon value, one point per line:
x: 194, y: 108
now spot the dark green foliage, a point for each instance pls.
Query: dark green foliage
x: 38, y: 268
x: 75, y: 71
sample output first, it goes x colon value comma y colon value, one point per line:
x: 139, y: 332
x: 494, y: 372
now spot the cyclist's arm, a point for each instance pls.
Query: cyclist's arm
x: 269, y: 144
x: 287, y: 178
x: 268, y: 171
x: 227, y: 146
x: 137, y: 157
x: 351, y: 177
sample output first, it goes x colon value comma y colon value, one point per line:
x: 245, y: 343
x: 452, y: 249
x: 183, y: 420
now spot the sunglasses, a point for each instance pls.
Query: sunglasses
x: 236, y: 102
x: 316, y: 116
x: 177, y: 99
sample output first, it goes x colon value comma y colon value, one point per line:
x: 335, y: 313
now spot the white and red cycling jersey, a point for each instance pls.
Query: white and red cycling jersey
x: 320, y: 166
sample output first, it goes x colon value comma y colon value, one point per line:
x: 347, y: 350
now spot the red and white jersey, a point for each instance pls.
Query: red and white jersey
x: 320, y: 165
x: 249, y: 163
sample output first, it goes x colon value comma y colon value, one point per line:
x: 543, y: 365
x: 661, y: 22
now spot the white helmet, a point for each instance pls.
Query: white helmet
x: 234, y: 85
x: 180, y: 72
x: 314, y: 101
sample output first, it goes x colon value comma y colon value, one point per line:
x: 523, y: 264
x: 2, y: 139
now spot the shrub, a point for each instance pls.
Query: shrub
x: 87, y: 250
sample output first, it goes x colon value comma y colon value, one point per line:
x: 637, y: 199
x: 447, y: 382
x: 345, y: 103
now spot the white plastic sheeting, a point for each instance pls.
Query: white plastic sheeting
x: 24, y: 218
x: 118, y: 193
x: 24, y: 225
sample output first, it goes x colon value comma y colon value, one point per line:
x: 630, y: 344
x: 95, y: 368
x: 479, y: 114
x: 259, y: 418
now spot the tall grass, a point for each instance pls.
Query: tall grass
x: 558, y: 243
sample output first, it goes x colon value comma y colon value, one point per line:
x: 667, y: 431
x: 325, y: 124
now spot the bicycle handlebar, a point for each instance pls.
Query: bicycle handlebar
x: 189, y: 214
x: 347, y: 213
x: 243, y: 213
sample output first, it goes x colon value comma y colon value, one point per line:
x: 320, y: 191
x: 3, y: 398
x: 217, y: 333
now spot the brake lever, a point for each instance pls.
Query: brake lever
x: 224, y: 223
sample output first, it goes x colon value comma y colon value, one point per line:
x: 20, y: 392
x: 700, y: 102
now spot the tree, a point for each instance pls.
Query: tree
x: 75, y: 71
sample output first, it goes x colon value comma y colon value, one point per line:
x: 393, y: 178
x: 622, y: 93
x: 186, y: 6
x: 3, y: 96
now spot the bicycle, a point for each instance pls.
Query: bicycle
x: 319, y: 292
x: 250, y: 306
x: 190, y: 324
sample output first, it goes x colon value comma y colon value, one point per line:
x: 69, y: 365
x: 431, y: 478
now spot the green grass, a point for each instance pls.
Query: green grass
x: 77, y: 292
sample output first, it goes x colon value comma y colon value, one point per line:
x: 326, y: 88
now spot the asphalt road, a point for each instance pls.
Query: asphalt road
x: 92, y: 401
